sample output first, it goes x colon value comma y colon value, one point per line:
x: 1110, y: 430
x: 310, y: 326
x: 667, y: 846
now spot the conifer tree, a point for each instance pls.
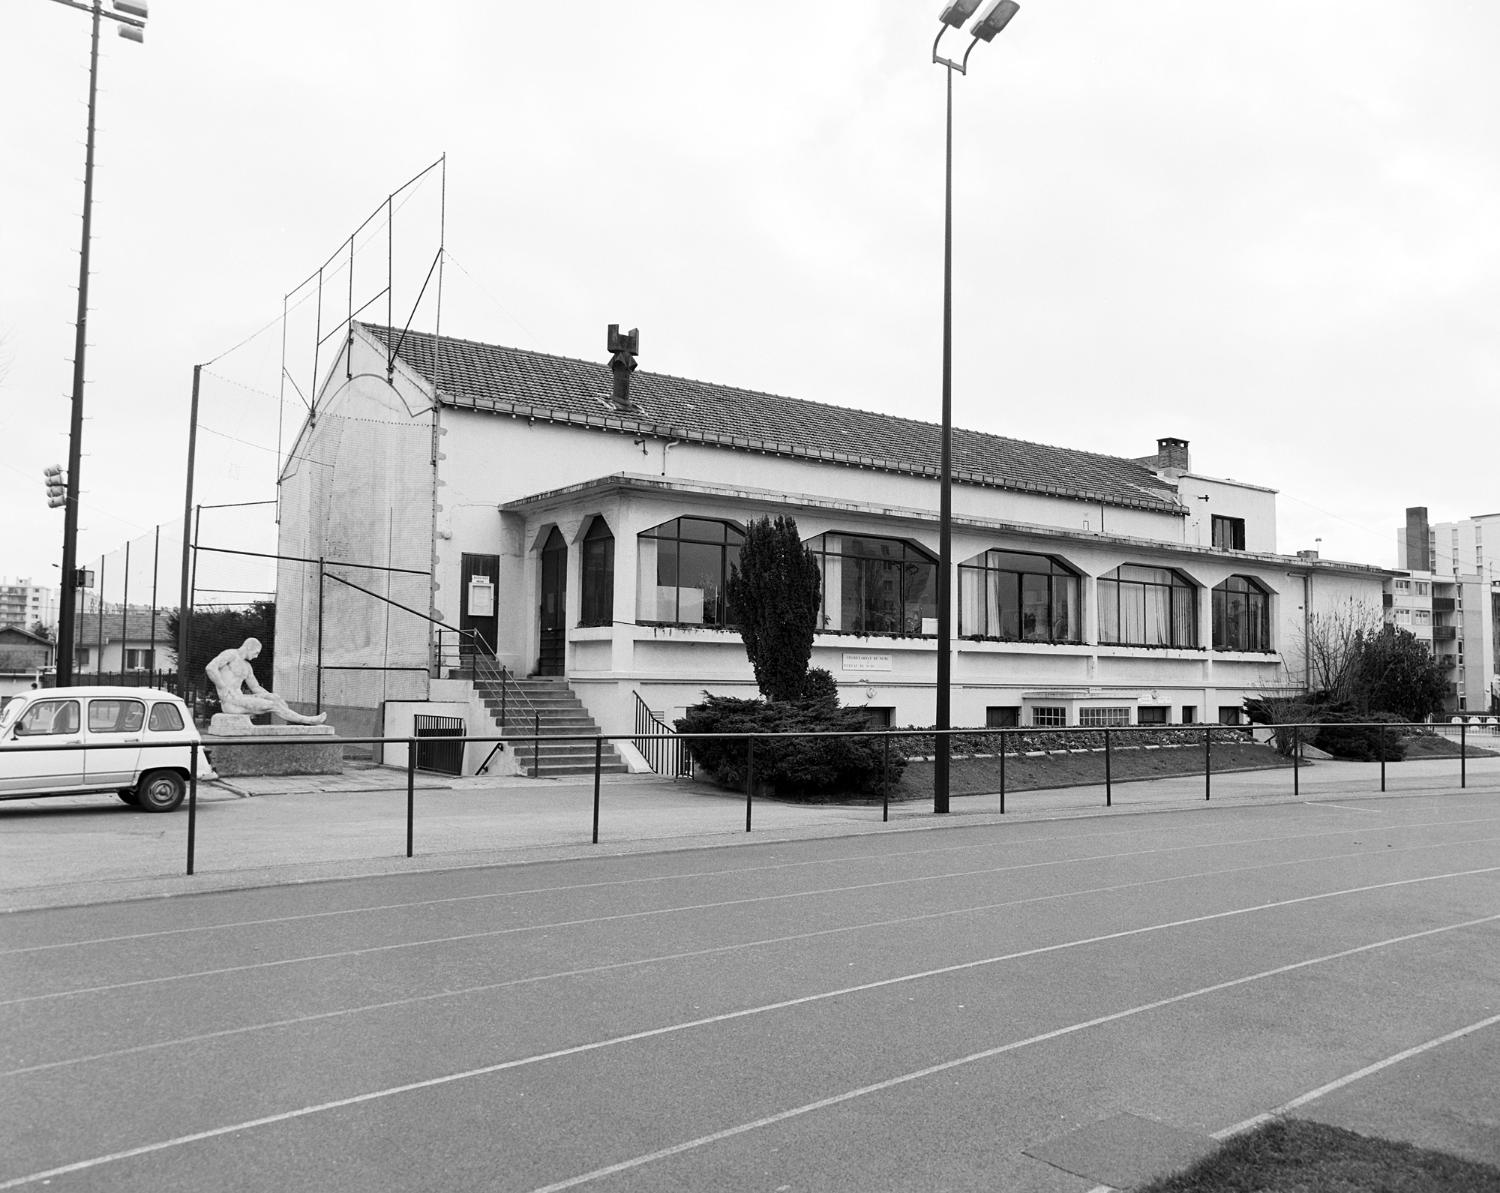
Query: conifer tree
x: 773, y: 594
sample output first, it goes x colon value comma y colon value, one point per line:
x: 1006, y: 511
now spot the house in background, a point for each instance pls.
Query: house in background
x: 25, y: 659
x: 129, y: 647
x: 578, y: 520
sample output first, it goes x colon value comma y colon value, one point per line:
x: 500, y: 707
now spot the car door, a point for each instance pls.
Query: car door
x: 116, y: 722
x: 167, y: 725
x: 50, y: 722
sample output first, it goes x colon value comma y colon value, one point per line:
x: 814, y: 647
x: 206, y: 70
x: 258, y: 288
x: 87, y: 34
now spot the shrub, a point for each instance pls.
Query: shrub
x: 792, y: 766
x: 1346, y: 733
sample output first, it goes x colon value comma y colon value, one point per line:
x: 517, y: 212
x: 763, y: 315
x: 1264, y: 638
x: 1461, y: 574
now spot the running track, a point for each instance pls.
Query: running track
x: 902, y: 1011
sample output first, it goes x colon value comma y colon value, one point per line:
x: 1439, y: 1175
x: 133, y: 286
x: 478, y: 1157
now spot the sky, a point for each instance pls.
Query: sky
x: 1268, y: 229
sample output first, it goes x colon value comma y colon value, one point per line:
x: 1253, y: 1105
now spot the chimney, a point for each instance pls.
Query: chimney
x: 1172, y: 455
x: 1417, y: 558
x: 624, y: 349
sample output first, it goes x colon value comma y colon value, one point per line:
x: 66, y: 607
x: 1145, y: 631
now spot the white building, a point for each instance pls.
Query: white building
x: 583, y: 522
x: 1451, y: 600
x: 23, y: 604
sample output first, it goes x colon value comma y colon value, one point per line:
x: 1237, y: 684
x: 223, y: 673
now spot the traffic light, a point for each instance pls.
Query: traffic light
x: 57, y: 485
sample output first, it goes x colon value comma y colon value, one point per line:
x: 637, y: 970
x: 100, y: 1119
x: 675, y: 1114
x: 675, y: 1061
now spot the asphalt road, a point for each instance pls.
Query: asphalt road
x: 1035, y: 1005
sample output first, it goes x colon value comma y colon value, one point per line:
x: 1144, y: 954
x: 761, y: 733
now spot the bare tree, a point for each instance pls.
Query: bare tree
x: 1331, y: 644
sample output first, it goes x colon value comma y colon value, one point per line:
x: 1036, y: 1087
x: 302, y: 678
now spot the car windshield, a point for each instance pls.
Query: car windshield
x: 10, y: 712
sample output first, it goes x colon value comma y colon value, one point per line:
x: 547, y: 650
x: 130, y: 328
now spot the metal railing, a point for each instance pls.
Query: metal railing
x: 665, y: 755
x: 1011, y: 743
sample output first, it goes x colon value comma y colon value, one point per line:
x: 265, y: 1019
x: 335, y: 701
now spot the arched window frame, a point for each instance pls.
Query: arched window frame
x: 1019, y: 596
x: 1141, y: 605
x: 1242, y: 615
x: 873, y: 584
x: 684, y: 564
x: 597, y: 562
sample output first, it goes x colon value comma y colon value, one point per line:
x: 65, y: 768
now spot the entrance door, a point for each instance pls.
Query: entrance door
x: 554, y: 605
x: 477, y: 612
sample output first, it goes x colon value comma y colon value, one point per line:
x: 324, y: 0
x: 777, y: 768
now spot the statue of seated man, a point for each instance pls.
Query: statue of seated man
x: 239, y: 692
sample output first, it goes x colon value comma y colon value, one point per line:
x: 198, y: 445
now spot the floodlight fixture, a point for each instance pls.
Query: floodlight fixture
x: 995, y: 18
x: 958, y: 12
x: 134, y: 8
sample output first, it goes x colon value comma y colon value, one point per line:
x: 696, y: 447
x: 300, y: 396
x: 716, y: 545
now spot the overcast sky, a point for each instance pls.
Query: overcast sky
x: 1270, y: 229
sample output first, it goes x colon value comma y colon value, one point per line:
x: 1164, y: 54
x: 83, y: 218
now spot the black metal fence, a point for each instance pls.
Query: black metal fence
x: 1010, y: 743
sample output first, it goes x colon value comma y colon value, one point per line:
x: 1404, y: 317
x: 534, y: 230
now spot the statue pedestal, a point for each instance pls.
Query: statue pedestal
x: 236, y: 747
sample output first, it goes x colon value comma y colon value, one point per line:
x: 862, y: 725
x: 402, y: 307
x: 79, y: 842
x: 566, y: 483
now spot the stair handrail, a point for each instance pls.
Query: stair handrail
x: 491, y: 671
x: 658, y: 750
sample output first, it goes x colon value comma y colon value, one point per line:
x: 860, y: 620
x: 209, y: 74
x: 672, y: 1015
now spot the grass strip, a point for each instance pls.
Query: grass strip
x: 1291, y: 1155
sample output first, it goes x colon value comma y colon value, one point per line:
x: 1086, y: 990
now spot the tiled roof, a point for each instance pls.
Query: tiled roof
x: 489, y: 377
x: 137, y: 627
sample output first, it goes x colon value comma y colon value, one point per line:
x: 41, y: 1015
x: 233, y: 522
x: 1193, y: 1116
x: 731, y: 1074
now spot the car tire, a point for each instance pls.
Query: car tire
x: 160, y: 791
x: 130, y: 796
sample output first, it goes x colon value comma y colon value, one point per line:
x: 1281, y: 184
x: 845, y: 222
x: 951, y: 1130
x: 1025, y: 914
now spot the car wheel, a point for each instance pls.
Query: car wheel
x: 160, y: 791
x: 130, y: 796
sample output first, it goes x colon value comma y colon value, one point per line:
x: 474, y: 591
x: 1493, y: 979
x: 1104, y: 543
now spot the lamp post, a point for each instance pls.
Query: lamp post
x: 991, y: 21
x: 131, y: 18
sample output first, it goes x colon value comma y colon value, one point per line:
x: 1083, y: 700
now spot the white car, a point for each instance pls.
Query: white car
x: 152, y: 776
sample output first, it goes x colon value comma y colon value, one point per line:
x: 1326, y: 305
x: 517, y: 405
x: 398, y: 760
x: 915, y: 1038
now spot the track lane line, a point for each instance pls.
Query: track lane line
x: 1350, y: 1078
x: 686, y: 955
x: 643, y: 914
x: 780, y: 1116
x: 745, y: 870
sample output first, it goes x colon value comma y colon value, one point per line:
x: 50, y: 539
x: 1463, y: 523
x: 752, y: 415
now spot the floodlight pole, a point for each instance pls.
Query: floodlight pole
x: 993, y: 20
x: 185, y: 599
x: 65, y: 617
x: 135, y: 22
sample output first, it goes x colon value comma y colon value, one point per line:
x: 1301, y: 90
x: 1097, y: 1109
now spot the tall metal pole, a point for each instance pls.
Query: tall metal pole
x: 155, y: 561
x: 184, y: 603
x: 125, y: 612
x: 943, y: 750
x: 65, y: 616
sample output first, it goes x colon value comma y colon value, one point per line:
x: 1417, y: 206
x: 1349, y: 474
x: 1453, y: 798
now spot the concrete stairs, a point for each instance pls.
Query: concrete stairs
x: 546, y: 707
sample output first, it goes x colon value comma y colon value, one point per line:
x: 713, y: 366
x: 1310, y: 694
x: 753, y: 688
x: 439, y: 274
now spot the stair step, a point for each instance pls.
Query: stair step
x: 548, y: 727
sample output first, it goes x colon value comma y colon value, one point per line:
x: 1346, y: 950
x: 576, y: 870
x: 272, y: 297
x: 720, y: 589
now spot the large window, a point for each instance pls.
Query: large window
x: 1242, y: 615
x: 875, y: 585
x: 1141, y: 606
x: 598, y: 575
x: 683, y: 566
x: 1018, y: 598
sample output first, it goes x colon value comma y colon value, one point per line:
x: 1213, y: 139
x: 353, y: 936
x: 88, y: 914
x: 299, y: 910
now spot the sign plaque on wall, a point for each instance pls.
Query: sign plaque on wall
x: 867, y: 662
x: 481, y: 596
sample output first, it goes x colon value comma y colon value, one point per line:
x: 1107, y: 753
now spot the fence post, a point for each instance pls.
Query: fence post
x: 411, y: 791
x: 598, y: 764
x: 536, y: 744
x: 1297, y: 762
x: 192, y: 804
x: 749, y: 779
x: 1463, y: 756
x: 318, y: 700
x: 1382, y: 758
x: 1208, y: 761
x: 1002, y: 772
x: 1108, y: 792
x: 885, y: 780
